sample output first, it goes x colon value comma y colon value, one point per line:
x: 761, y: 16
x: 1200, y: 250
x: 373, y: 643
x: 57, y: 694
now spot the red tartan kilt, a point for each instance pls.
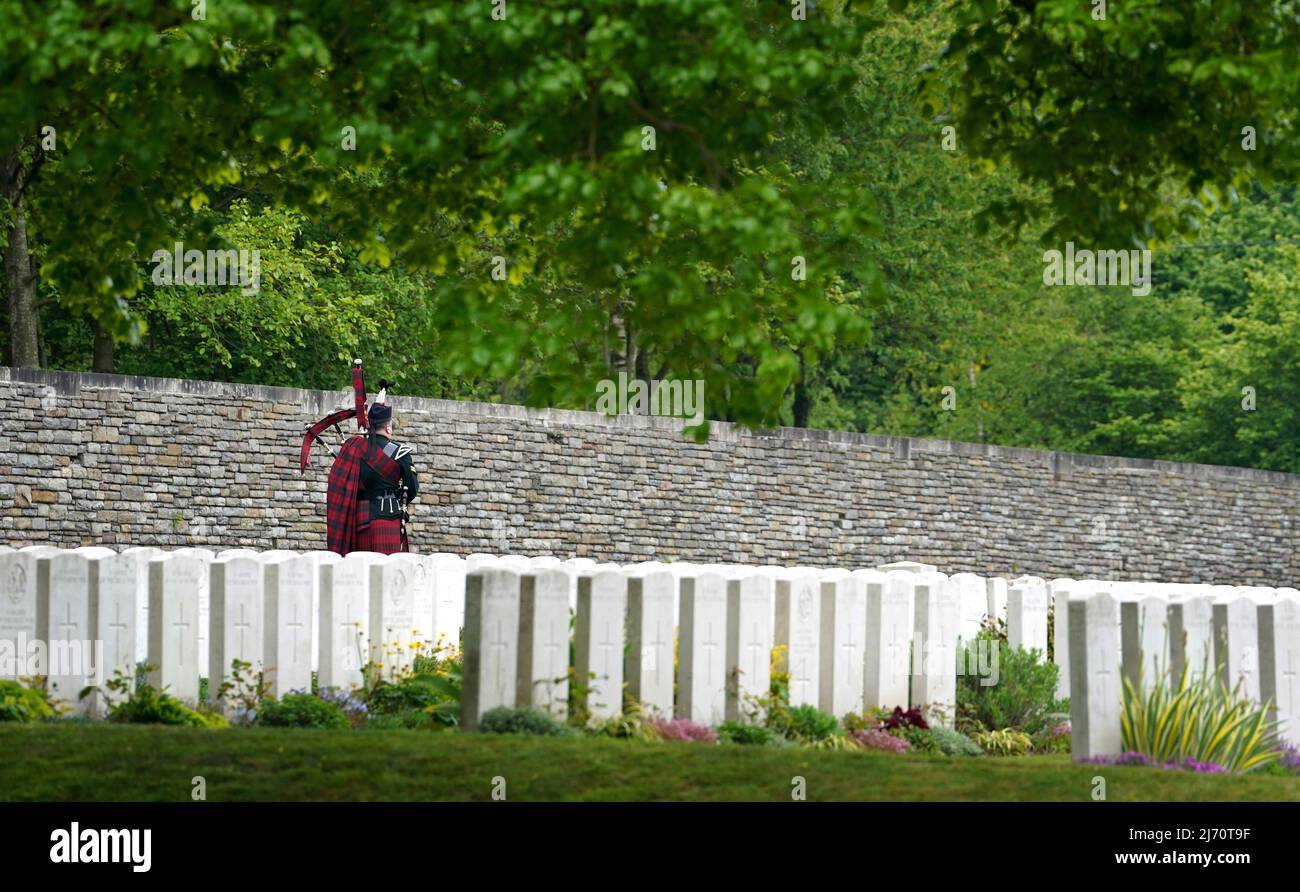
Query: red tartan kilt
x: 383, y: 536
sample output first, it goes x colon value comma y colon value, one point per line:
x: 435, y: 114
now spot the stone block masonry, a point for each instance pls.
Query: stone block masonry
x: 88, y: 458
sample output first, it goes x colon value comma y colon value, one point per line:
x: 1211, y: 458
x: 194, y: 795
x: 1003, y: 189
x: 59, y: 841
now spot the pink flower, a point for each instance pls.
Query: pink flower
x: 880, y: 740
x: 684, y: 729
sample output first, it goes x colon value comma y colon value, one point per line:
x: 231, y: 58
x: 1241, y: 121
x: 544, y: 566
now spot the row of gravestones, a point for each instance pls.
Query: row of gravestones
x: 1108, y: 632
x: 192, y: 613
x: 847, y: 640
x: 78, y: 616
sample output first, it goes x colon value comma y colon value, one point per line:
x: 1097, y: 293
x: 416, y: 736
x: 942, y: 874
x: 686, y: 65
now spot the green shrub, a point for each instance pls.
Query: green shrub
x: 1055, y: 738
x: 1024, y: 696
x: 507, y: 720
x: 633, y: 723
x: 954, y: 743
x: 302, y: 711
x: 150, y: 706
x: 406, y: 720
x: 753, y: 735
x: 1201, y: 720
x: 435, y: 687
x: 806, y: 724
x: 136, y: 702
x: 921, y: 739
x: 19, y: 703
x: 1006, y: 742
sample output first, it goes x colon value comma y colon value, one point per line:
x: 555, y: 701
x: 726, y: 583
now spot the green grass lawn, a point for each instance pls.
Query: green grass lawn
x: 101, y: 762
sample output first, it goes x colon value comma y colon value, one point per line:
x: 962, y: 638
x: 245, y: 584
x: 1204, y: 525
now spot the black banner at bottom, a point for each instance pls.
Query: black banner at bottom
x: 499, y: 839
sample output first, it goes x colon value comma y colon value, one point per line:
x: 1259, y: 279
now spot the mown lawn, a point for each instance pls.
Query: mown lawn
x: 100, y: 762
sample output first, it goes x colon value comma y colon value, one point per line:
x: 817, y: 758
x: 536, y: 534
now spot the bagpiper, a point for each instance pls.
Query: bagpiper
x: 372, y: 481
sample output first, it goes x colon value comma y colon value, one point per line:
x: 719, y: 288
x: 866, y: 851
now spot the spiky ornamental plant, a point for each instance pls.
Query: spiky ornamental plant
x: 1198, y: 719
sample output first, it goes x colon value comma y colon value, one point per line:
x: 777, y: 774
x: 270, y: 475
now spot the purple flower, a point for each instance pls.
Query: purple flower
x: 1136, y: 758
x: 1203, y: 767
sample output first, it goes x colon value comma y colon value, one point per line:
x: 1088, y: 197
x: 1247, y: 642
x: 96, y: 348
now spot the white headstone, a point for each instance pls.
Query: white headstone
x: 1143, y: 636
x: 175, y: 581
x: 1027, y: 616
x: 392, y: 613
x: 908, y: 567
x: 423, y: 606
x: 997, y: 594
x: 205, y: 605
x: 121, y: 614
x: 598, y: 640
x: 491, y: 643
x: 650, y: 631
x: 749, y: 645
x: 17, y: 612
x: 543, y: 665
x: 143, y: 554
x: 318, y: 560
x: 798, y: 630
x: 1095, y: 696
x: 1236, y: 644
x: 448, y: 599
x: 64, y: 623
x: 516, y: 562
x: 344, y: 621
x: 889, y: 641
x: 973, y: 598
x: 480, y: 560
x: 1058, y: 593
x: 1191, y: 636
x: 238, y: 612
x: 934, y: 648
x: 288, y: 644
x: 1279, y: 659
x: 843, y: 643
x: 702, y: 649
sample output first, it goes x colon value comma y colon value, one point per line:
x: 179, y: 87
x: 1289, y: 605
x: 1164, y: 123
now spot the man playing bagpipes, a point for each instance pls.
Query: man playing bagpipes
x: 373, y: 478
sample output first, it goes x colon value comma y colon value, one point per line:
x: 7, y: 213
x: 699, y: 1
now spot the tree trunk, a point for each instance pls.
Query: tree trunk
x: 24, y: 339
x: 802, y: 400
x: 103, y: 349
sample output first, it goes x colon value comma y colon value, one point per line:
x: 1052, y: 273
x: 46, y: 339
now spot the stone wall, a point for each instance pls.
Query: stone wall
x: 109, y: 459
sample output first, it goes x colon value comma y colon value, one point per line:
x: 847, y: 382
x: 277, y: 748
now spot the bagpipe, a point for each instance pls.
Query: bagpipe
x: 315, y: 432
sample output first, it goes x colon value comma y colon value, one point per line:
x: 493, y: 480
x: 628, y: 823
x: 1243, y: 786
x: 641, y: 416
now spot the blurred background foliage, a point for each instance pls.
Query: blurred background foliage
x: 923, y: 312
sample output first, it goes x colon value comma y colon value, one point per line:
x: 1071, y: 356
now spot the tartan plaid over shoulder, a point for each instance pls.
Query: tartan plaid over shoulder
x: 342, y: 497
x: 346, y: 512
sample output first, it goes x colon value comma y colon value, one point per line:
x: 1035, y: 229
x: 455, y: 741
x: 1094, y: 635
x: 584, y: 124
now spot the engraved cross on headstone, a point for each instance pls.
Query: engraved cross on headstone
x: 241, y: 627
x: 118, y: 627
x: 895, y: 647
x: 181, y: 627
x: 755, y: 648
x: 296, y: 625
x: 850, y: 652
x: 552, y: 643
x: 607, y: 645
x: 653, y: 647
x: 498, y: 642
x: 710, y: 644
x: 69, y: 625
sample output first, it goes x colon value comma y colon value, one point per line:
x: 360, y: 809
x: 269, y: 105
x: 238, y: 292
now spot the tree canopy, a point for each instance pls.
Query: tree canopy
x: 831, y: 212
